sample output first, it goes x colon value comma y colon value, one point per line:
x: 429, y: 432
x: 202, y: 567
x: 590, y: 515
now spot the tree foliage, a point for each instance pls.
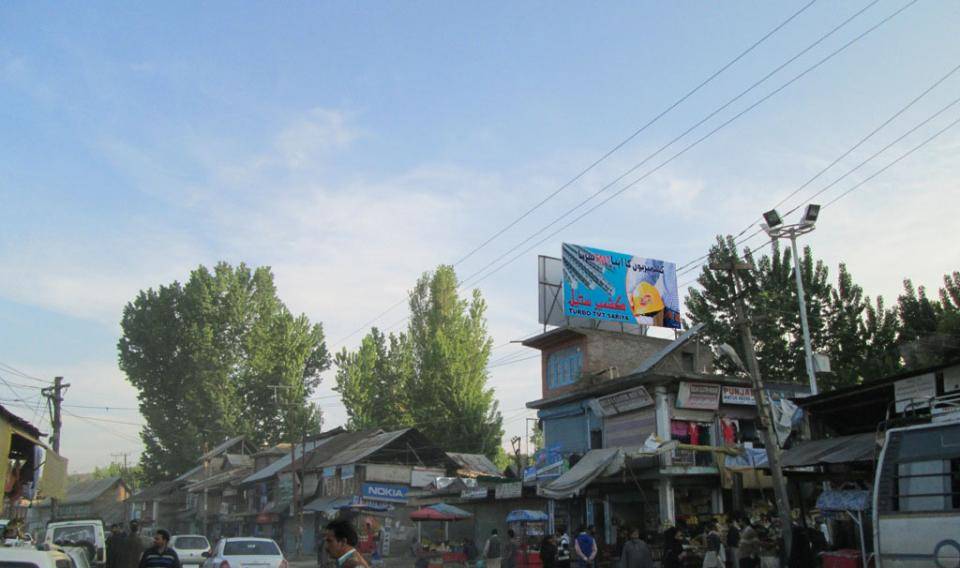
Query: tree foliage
x: 205, y: 356
x: 433, y: 376
x: 858, y: 335
x: 930, y: 331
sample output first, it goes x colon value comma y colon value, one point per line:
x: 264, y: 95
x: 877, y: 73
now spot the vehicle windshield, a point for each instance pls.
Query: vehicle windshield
x: 251, y: 548
x: 190, y: 543
x: 75, y: 534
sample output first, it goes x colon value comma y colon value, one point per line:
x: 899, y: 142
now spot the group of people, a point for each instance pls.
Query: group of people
x: 126, y: 549
x: 736, y: 547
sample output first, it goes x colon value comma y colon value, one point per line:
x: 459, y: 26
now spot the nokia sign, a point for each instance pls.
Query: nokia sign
x: 385, y: 492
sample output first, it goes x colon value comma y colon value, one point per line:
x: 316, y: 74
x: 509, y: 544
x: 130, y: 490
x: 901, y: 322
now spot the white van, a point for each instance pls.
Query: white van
x: 23, y: 557
x: 87, y: 533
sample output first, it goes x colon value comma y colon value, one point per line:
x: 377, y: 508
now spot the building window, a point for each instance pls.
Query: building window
x: 688, y: 362
x: 564, y: 367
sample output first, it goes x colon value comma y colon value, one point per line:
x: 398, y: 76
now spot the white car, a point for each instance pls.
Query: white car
x: 81, y: 533
x: 245, y: 552
x: 190, y: 548
x: 24, y: 557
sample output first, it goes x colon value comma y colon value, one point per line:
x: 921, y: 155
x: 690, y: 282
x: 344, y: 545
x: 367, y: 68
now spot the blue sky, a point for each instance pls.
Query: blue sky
x: 353, y: 146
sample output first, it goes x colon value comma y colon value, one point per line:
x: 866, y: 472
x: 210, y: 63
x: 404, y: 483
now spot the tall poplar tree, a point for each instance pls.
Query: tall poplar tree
x: 433, y: 376
x: 216, y: 357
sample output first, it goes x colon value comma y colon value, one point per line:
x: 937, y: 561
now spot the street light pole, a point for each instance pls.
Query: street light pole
x: 807, y: 349
x: 775, y: 229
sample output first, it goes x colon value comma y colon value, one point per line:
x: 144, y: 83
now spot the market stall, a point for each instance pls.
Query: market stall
x: 851, y: 503
x: 528, y: 525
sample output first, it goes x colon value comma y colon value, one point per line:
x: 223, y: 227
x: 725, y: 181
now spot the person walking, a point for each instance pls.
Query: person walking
x: 733, y: 542
x: 748, y: 553
x: 548, y: 551
x: 563, y: 549
x: 160, y: 555
x: 340, y: 541
x: 131, y: 548
x: 114, y: 545
x: 672, y: 548
x: 510, y: 549
x: 635, y: 553
x: 713, y: 557
x: 493, y: 550
x: 585, y: 548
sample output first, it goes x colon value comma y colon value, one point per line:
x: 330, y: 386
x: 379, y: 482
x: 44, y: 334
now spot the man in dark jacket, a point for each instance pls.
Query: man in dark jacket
x: 160, y: 555
x: 636, y: 553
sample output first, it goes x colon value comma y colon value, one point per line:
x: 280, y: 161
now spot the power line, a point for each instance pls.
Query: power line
x: 839, y: 158
x: 636, y: 133
x: 617, y: 147
x: 659, y: 150
x: 854, y: 169
x: 104, y: 428
x: 15, y: 371
x: 537, y: 356
x: 681, y: 152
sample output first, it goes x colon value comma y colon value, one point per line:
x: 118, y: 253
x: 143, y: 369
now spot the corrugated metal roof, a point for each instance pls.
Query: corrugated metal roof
x: 650, y: 362
x: 154, y: 492
x: 478, y: 464
x: 277, y: 465
x: 222, y: 448
x: 365, y: 447
x: 86, y: 491
x: 218, y: 479
x: 239, y: 460
x: 843, y: 449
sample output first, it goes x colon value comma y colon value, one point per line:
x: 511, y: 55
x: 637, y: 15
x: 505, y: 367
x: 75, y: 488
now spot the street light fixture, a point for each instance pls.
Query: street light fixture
x: 775, y: 228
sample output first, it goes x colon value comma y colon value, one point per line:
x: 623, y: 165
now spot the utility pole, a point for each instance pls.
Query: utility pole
x: 54, y: 397
x: 123, y: 476
x: 764, y: 410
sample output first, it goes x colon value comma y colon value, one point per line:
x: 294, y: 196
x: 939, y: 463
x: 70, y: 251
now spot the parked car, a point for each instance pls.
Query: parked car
x: 190, y: 547
x: 245, y: 552
x: 25, y: 557
x: 87, y: 533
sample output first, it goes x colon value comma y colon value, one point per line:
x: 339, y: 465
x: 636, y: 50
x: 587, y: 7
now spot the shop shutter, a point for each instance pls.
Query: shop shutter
x: 569, y: 433
x: 630, y: 428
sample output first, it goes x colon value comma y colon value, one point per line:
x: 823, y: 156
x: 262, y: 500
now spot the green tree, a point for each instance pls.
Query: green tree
x: 862, y: 335
x: 769, y: 289
x: 433, y: 376
x: 451, y: 349
x: 373, y: 381
x: 930, y: 328
x: 858, y: 335
x: 205, y: 356
x: 133, y: 476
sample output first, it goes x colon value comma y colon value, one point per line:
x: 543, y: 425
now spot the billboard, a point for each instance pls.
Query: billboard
x: 611, y: 286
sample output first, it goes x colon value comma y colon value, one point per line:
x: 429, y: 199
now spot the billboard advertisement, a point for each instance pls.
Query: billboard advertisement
x: 611, y: 286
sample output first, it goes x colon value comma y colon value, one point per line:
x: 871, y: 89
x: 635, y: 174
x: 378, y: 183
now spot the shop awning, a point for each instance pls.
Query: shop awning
x: 844, y: 501
x: 606, y: 461
x: 844, y: 449
x: 328, y: 505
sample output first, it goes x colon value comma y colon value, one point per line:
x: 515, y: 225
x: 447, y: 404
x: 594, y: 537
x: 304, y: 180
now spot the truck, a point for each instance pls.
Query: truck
x: 916, y: 492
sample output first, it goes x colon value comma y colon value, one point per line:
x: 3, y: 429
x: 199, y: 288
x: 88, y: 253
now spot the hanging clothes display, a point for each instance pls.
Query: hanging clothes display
x: 729, y: 429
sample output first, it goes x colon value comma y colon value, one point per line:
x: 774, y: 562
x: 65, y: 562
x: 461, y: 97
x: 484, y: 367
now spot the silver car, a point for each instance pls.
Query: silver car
x: 190, y: 548
x: 245, y: 552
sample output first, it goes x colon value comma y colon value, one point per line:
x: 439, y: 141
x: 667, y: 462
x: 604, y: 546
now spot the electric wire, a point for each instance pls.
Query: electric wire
x: 842, y: 156
x: 683, y: 151
x: 636, y: 133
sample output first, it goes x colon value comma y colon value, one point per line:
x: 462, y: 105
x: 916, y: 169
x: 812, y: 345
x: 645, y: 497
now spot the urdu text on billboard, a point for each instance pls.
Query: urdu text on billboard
x: 604, y: 285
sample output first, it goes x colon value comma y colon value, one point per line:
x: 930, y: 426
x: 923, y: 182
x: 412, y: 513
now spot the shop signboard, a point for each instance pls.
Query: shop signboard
x: 348, y: 471
x: 625, y: 401
x: 473, y: 493
x: 951, y: 380
x: 388, y: 473
x: 915, y: 392
x: 738, y: 395
x: 513, y: 490
x: 385, y: 492
x: 330, y: 471
x: 698, y: 396
x: 622, y: 288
